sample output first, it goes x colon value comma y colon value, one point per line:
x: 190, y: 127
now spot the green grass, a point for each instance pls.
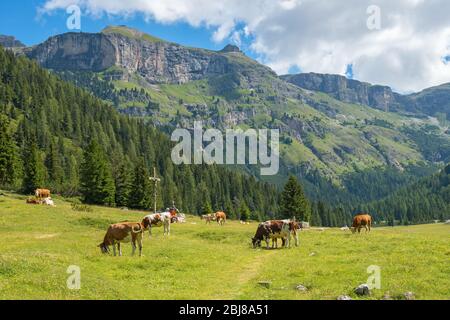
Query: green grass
x: 131, y: 33
x: 208, y: 262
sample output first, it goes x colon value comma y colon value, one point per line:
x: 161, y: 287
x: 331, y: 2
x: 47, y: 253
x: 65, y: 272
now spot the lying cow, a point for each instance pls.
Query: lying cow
x: 360, y: 221
x: 153, y: 220
x: 33, y: 201
x: 49, y: 202
x: 124, y: 232
x: 221, y: 218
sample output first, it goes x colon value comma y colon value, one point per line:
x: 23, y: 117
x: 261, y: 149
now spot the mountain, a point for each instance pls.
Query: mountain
x: 10, y: 42
x: 46, y: 126
x: 131, y: 52
x: 335, y: 133
x: 348, y: 90
x: 432, y: 102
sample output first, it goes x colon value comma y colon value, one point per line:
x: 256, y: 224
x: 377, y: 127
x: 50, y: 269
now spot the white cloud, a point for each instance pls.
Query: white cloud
x: 315, y: 35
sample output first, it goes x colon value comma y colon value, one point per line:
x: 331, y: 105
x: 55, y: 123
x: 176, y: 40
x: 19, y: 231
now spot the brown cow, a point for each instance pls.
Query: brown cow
x: 33, y: 201
x: 277, y: 229
x: 221, y: 218
x: 42, y: 193
x: 267, y: 230
x: 124, y: 232
x: 362, y: 220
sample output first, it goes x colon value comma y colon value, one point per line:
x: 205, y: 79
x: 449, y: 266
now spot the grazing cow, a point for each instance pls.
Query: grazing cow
x: 208, y: 218
x: 153, y: 220
x: 289, y: 228
x: 360, y: 221
x: 266, y: 230
x: 42, y: 193
x: 221, y: 218
x: 124, y: 232
x: 274, y: 230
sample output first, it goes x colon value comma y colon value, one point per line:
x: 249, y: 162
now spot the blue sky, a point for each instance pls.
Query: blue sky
x: 408, y: 51
x: 21, y: 18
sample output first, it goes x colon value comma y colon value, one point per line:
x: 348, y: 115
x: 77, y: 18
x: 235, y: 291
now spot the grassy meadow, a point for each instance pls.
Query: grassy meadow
x: 201, y: 261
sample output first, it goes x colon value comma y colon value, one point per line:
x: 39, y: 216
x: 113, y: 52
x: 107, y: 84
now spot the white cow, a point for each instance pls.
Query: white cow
x: 167, y: 218
x: 49, y: 202
x: 166, y: 221
x: 153, y: 220
x: 289, y: 229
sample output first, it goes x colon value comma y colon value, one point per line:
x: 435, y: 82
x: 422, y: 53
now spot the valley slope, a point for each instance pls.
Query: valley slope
x: 332, y: 138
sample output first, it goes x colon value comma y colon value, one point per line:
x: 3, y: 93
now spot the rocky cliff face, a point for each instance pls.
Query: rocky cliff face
x: 10, y: 42
x: 75, y: 51
x: 155, y: 60
x: 347, y: 90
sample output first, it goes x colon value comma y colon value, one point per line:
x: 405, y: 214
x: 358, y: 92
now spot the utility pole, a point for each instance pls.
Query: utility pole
x: 155, y: 179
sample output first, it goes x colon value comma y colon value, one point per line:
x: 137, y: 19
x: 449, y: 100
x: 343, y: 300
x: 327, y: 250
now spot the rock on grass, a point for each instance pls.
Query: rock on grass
x: 301, y: 288
x: 363, y: 290
x: 344, y: 298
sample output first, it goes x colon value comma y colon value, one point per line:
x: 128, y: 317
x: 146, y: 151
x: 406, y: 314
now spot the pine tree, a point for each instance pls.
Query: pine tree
x: 207, y: 209
x: 293, y: 201
x: 8, y: 157
x: 33, y: 169
x: 123, y: 183
x: 54, y: 167
x: 141, y: 195
x: 244, y: 211
x: 97, y: 183
x: 315, y: 217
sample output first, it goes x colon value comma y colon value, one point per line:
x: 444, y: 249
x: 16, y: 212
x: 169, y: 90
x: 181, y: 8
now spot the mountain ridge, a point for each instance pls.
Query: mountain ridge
x: 373, y: 95
x: 171, y: 85
x: 10, y: 42
x: 156, y: 60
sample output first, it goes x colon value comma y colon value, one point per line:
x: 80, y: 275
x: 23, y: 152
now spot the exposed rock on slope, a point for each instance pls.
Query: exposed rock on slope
x: 134, y: 52
x: 347, y: 90
x: 10, y: 42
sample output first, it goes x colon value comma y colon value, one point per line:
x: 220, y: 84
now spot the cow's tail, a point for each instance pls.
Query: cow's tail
x: 141, y: 229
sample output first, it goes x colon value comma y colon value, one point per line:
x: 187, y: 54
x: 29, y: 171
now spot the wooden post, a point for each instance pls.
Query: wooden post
x: 155, y: 180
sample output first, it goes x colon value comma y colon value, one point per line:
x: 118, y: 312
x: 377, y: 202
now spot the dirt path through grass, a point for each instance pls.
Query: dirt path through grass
x: 250, y: 272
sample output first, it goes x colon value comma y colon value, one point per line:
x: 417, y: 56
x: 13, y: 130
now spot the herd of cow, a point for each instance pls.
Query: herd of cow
x: 126, y: 232
x: 274, y: 230
x: 42, y: 196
